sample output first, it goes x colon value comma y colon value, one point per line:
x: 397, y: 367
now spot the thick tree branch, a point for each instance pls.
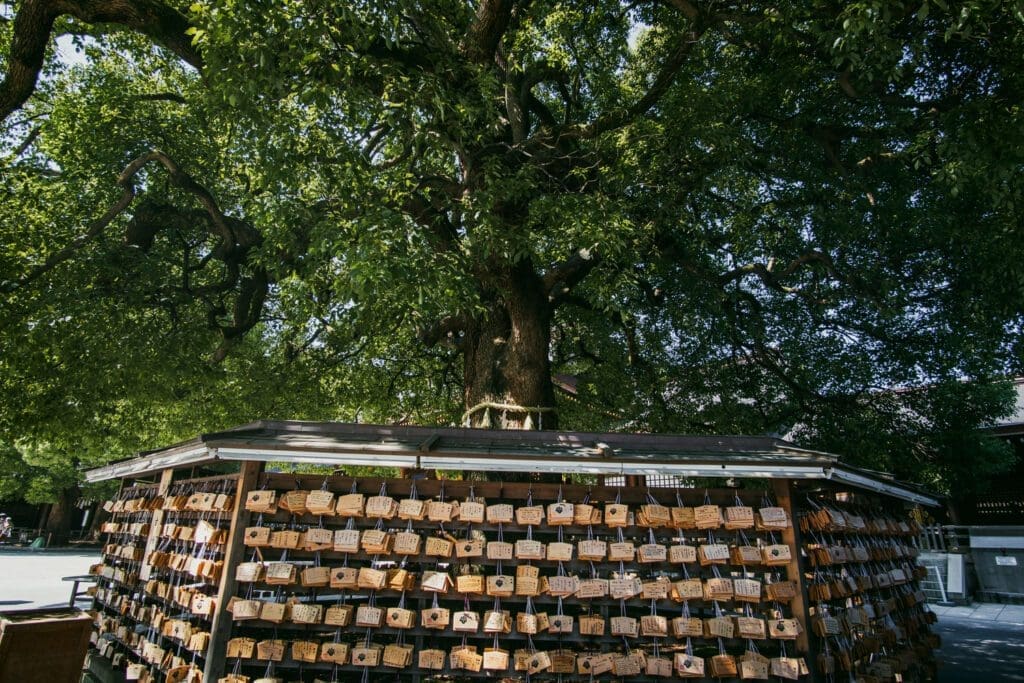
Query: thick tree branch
x: 541, y: 111
x: 125, y: 181
x: 539, y: 73
x: 234, y: 234
x: 26, y: 143
x: 666, y: 75
x: 160, y: 97
x: 58, y: 257
x: 410, y: 56
x: 627, y: 324
x: 688, y: 9
x: 518, y: 120
x: 448, y: 328
x: 236, y: 238
x: 560, y: 280
x: 161, y: 22
x: 480, y: 43
x: 772, y: 278
x: 536, y: 74
x: 877, y: 91
x: 420, y: 209
x: 33, y: 26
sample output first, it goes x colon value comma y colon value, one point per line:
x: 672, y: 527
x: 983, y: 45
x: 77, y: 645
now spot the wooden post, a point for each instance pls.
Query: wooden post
x: 791, y: 537
x: 234, y: 550
x: 156, y: 524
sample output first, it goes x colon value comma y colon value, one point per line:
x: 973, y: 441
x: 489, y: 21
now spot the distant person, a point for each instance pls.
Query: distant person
x: 5, y: 528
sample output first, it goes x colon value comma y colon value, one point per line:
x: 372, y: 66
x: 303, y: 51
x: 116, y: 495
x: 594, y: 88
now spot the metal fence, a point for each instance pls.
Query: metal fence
x: 996, y: 508
x: 667, y: 481
x: 654, y: 481
x: 944, y: 538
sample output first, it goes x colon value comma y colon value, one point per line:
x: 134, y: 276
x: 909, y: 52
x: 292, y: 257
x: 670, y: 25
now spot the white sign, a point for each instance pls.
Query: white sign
x: 1006, y: 561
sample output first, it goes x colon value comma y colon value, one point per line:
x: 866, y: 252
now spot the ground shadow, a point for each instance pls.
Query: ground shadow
x: 977, y: 651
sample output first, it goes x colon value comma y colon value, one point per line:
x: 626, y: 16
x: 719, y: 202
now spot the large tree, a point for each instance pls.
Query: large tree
x: 713, y: 216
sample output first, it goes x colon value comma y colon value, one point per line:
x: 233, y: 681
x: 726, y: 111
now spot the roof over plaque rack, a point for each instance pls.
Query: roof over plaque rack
x: 446, y: 448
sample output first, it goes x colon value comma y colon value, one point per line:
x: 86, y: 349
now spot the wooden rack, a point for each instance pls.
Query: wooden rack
x: 127, y: 611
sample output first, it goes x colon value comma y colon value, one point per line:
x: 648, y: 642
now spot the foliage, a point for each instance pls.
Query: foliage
x: 717, y: 217
x: 928, y: 435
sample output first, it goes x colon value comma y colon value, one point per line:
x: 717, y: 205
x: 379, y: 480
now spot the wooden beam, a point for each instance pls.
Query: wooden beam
x: 234, y: 551
x: 512, y: 491
x: 800, y: 604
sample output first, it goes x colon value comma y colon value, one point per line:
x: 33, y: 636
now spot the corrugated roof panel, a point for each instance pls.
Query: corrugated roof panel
x: 494, y: 450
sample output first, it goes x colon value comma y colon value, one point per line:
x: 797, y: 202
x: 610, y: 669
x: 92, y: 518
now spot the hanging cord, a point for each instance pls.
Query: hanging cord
x: 654, y: 612
x: 501, y: 539
x: 400, y: 639
x: 440, y: 498
x: 590, y: 537
x: 746, y: 542
x: 488, y: 406
x: 827, y: 652
x: 622, y: 565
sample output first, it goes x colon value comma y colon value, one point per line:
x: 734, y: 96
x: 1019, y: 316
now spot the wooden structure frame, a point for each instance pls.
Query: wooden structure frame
x: 790, y: 471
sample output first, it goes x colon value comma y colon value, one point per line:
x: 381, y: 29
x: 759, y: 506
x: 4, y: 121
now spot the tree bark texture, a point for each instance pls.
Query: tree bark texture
x: 33, y: 25
x: 99, y: 517
x: 62, y: 516
x: 506, y: 355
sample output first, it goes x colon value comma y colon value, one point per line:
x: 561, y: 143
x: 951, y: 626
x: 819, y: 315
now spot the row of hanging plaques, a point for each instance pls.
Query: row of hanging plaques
x: 560, y: 513
x: 375, y: 563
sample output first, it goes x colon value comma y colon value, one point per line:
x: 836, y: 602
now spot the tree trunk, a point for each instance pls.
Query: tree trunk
x: 506, y: 357
x: 99, y: 516
x: 61, y: 517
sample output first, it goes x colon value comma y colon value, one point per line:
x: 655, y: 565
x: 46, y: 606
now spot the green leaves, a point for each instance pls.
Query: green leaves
x: 820, y: 203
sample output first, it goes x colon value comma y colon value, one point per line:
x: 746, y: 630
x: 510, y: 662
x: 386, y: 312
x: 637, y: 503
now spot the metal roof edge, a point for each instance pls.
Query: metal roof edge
x: 153, y: 462
x: 582, y: 438
x: 888, y: 485
x: 754, y: 456
x: 383, y: 455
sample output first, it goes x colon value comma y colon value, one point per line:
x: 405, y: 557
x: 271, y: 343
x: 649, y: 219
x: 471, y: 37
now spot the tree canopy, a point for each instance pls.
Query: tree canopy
x: 713, y: 217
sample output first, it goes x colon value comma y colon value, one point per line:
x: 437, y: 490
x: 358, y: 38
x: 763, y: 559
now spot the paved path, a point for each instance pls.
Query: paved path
x: 33, y: 579
x: 979, y: 649
x: 1000, y: 614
